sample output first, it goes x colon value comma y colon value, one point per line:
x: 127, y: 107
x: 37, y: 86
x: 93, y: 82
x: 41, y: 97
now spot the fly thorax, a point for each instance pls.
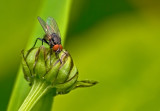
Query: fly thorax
x: 56, y: 39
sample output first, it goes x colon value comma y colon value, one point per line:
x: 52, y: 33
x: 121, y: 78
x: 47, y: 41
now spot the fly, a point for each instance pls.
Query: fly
x: 52, y: 35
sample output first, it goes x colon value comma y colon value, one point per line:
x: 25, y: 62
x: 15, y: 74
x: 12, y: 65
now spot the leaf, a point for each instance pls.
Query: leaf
x: 59, y: 11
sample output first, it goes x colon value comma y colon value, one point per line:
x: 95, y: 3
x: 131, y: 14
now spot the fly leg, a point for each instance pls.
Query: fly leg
x: 50, y: 55
x: 65, y: 54
x: 43, y: 40
x: 57, y: 52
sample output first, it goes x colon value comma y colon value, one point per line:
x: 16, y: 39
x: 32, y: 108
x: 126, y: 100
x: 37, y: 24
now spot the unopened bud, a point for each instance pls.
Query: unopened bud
x: 59, y: 71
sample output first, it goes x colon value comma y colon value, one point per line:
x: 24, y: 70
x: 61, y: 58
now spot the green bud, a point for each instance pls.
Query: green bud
x: 58, y: 71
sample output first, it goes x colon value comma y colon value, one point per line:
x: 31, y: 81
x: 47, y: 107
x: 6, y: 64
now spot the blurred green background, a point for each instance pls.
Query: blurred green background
x: 115, y: 42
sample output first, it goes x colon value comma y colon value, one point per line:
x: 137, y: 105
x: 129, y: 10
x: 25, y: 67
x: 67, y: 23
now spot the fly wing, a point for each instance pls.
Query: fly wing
x: 44, y: 26
x: 52, y: 26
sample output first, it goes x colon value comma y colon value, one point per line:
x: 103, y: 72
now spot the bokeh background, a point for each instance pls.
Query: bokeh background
x: 116, y: 42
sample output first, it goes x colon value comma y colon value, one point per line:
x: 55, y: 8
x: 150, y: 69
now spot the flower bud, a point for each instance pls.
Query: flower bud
x: 58, y: 71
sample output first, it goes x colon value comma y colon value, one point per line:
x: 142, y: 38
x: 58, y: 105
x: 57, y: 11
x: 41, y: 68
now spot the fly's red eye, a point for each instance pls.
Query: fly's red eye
x: 55, y: 47
x: 60, y: 46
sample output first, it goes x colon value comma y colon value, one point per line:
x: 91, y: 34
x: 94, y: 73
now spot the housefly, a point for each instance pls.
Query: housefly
x: 52, y: 35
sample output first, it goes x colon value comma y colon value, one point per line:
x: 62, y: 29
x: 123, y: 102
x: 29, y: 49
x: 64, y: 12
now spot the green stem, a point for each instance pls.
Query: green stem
x: 38, y: 90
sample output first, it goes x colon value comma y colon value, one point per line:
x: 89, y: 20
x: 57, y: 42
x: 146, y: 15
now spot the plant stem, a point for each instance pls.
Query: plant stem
x: 39, y: 89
